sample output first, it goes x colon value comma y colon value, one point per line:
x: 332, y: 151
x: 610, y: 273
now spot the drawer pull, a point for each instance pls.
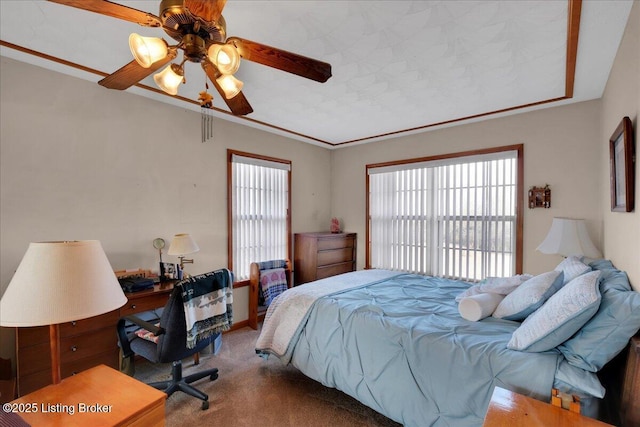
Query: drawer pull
x: 133, y: 306
x: 74, y: 323
x: 74, y: 348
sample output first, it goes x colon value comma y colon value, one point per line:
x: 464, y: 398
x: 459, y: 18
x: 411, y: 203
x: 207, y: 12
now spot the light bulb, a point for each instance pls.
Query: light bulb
x: 169, y: 79
x: 230, y: 85
x: 147, y: 50
x: 225, y: 57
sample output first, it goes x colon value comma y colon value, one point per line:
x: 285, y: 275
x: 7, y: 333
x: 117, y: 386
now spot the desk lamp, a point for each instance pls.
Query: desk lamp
x: 568, y: 237
x: 58, y: 282
x: 181, y: 245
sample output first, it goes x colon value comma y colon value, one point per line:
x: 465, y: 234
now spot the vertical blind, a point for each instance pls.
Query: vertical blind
x: 453, y: 217
x: 260, y: 194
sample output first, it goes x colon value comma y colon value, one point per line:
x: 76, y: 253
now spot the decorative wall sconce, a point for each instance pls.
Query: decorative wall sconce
x: 540, y: 197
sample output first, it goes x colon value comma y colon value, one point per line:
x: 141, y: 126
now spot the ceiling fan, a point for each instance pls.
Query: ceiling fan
x: 199, y: 29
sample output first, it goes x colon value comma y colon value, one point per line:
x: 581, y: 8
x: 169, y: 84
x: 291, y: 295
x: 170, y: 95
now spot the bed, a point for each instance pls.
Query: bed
x: 397, y: 343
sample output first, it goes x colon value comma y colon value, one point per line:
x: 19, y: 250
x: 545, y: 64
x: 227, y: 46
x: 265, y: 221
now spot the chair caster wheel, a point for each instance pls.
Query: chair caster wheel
x: 205, y: 405
x: 213, y: 377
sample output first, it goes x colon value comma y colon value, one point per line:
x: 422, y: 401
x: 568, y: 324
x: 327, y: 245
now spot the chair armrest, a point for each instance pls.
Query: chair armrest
x: 122, y: 333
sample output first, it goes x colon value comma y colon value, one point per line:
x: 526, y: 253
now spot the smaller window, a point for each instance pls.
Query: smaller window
x: 259, y: 226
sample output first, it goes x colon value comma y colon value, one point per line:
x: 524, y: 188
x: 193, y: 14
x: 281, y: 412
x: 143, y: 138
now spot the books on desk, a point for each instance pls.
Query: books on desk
x: 135, y: 284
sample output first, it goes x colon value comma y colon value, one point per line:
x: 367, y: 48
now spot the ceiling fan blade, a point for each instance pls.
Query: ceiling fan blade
x: 282, y: 60
x: 133, y: 72
x: 207, y: 10
x: 238, y: 105
x: 114, y: 10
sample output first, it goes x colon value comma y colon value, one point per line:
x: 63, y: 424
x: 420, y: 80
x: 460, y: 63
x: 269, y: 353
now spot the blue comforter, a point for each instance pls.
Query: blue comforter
x: 400, y: 347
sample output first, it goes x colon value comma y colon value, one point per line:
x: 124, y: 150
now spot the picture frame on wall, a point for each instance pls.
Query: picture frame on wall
x: 622, y: 165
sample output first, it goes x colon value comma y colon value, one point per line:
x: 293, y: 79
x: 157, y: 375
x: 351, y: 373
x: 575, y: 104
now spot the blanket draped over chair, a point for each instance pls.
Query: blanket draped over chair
x: 273, y: 280
x: 208, y: 304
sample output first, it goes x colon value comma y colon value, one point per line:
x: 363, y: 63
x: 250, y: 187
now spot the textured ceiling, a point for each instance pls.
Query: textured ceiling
x: 398, y: 67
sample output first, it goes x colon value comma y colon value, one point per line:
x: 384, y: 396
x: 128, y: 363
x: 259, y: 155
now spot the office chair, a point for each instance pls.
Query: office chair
x: 204, y: 302
x: 257, y: 303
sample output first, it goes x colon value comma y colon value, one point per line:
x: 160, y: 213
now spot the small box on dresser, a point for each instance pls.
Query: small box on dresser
x: 323, y: 254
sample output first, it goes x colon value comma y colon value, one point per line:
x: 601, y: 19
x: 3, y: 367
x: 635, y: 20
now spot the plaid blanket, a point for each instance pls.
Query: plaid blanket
x: 273, y: 282
x: 208, y: 304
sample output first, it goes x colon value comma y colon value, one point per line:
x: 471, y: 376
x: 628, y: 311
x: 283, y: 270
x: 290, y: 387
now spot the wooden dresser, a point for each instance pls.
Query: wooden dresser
x: 320, y: 255
x: 83, y: 344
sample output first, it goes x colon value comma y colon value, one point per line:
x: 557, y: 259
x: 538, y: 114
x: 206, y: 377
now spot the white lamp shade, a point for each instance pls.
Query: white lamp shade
x: 147, y: 50
x: 230, y: 85
x: 182, y: 244
x: 168, y: 80
x: 568, y: 237
x: 59, y: 282
x: 225, y: 57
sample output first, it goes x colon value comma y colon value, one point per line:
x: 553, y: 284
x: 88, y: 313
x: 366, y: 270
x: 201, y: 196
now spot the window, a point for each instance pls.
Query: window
x: 454, y: 216
x: 259, y: 221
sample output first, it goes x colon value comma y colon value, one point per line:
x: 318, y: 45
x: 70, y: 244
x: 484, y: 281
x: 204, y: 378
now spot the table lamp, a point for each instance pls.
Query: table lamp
x: 568, y: 237
x: 181, y: 245
x: 58, y: 282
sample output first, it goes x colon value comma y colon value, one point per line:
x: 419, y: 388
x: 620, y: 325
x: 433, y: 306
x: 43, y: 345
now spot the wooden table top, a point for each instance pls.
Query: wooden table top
x: 509, y: 409
x: 100, y: 396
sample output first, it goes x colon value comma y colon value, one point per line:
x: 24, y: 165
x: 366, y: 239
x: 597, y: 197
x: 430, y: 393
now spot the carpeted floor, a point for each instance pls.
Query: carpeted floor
x: 251, y: 391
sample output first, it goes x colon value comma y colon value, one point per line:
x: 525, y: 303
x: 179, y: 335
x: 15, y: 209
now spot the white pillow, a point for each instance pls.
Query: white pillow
x: 529, y: 296
x: 572, y: 267
x: 477, y: 307
x: 495, y: 285
x: 560, y: 317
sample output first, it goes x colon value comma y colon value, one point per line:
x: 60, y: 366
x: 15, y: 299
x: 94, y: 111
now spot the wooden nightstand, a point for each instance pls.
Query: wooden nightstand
x: 515, y: 410
x: 100, y: 396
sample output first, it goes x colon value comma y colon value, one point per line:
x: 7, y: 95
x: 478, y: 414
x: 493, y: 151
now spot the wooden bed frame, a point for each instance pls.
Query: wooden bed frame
x: 621, y: 379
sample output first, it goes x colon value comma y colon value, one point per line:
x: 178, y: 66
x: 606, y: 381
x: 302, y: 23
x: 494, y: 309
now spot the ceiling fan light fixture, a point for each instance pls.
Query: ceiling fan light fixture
x: 229, y: 85
x: 225, y: 57
x: 169, y: 79
x: 147, y: 50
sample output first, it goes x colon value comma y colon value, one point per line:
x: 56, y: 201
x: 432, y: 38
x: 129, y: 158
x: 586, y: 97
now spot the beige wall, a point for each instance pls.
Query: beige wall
x: 82, y: 162
x: 561, y: 148
x: 622, y: 98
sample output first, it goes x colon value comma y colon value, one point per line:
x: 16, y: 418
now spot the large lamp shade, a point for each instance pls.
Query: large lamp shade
x: 59, y: 282
x: 568, y: 237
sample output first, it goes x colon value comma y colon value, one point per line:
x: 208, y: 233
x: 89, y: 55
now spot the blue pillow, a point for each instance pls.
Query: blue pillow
x: 609, y: 331
x: 529, y: 296
x: 560, y: 317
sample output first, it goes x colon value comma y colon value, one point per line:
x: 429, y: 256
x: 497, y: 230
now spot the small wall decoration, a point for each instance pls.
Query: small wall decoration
x: 622, y: 159
x: 540, y: 197
x: 335, y: 225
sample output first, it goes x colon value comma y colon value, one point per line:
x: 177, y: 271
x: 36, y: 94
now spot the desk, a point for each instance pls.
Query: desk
x: 148, y: 299
x: 100, y: 396
x: 509, y: 409
x: 83, y: 343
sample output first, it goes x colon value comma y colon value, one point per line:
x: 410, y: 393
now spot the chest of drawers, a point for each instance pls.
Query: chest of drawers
x: 83, y: 344
x: 320, y: 255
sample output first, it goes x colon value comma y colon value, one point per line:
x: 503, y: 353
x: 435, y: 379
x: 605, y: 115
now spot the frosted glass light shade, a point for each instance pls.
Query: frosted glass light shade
x: 568, y: 237
x: 59, y: 282
x: 147, y: 50
x: 169, y: 79
x: 230, y: 85
x: 225, y: 57
x: 183, y: 244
